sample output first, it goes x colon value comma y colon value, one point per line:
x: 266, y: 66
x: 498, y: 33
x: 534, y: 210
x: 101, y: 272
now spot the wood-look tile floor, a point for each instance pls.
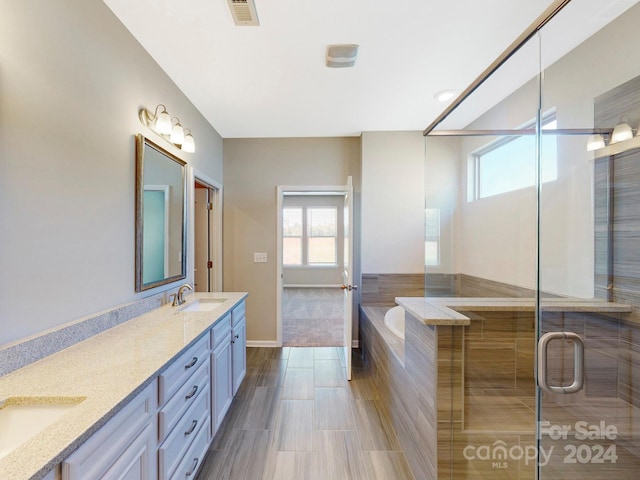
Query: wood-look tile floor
x: 296, y: 417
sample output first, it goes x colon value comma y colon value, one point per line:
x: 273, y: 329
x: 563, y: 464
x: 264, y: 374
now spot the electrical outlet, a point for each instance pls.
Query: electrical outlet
x: 260, y: 258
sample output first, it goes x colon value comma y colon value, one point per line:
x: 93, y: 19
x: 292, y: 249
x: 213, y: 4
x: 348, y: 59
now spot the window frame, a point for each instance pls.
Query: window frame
x: 306, y: 236
x: 474, y: 159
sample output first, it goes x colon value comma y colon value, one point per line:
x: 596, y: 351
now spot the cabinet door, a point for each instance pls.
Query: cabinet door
x: 134, y: 463
x: 124, y: 448
x: 239, y: 363
x: 221, y: 381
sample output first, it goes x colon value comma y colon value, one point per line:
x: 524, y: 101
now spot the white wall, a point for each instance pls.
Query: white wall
x: 497, y: 238
x: 393, y: 202
x: 72, y: 80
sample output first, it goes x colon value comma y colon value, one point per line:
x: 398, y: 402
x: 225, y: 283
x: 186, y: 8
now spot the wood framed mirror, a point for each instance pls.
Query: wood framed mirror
x: 160, y: 216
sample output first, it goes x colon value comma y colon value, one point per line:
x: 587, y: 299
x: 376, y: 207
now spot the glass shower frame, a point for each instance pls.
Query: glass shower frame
x: 546, y: 385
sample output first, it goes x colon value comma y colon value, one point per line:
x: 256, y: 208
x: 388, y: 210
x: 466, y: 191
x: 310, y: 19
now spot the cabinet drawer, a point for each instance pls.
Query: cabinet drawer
x: 171, y: 413
x: 181, y: 437
x: 238, y: 314
x: 182, y: 368
x: 192, y: 460
x: 221, y: 331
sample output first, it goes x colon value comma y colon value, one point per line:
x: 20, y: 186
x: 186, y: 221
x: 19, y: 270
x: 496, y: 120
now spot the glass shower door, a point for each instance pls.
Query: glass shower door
x: 538, y: 240
x: 588, y: 353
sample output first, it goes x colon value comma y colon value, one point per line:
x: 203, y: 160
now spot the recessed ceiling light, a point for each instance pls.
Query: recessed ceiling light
x: 445, y: 95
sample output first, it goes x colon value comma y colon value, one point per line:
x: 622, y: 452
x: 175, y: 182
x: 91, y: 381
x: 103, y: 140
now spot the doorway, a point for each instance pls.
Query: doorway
x: 311, y: 255
x: 207, y: 235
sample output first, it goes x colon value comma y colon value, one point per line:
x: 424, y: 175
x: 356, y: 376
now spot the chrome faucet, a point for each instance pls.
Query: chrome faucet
x: 178, y: 298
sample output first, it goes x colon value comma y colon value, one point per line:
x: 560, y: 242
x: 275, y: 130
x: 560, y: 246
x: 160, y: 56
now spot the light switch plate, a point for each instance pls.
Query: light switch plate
x: 260, y: 257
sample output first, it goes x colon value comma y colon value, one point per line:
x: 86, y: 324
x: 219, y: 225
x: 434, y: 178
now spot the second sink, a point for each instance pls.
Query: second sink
x: 203, y: 305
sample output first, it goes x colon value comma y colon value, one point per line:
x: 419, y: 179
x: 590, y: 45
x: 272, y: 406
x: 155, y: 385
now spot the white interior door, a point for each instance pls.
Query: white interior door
x: 347, y: 275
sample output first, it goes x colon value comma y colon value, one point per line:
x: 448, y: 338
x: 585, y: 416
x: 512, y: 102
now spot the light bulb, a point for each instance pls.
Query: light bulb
x: 188, y: 145
x: 163, y: 123
x: 595, y: 142
x: 621, y: 132
x: 177, y: 134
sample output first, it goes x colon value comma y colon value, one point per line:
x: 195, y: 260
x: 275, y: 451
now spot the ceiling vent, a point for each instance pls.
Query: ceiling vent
x: 341, y: 56
x: 243, y: 12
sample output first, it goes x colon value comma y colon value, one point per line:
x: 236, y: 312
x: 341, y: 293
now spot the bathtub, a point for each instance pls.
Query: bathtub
x: 394, y: 320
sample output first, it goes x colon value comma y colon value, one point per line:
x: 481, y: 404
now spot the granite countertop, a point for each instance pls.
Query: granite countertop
x: 108, y: 370
x: 446, y: 310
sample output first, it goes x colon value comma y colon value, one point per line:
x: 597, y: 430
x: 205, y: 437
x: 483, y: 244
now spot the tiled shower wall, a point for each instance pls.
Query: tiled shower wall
x: 620, y: 356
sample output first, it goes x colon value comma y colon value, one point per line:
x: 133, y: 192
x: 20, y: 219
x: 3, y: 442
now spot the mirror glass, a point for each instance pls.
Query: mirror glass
x: 160, y: 216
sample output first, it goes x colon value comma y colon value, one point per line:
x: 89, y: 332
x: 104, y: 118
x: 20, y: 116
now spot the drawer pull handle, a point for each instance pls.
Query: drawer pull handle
x: 193, y: 468
x: 193, y: 361
x: 192, y: 392
x: 194, y: 424
x: 237, y: 336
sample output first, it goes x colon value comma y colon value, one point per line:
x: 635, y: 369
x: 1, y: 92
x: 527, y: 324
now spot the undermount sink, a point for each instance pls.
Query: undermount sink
x: 22, y: 418
x: 203, y: 305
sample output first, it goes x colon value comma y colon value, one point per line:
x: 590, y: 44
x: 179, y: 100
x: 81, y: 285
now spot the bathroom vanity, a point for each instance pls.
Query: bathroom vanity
x: 146, y: 397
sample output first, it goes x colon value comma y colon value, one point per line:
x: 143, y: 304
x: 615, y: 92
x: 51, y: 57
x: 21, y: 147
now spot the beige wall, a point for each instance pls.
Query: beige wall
x: 72, y: 79
x: 253, y: 169
x: 392, y: 202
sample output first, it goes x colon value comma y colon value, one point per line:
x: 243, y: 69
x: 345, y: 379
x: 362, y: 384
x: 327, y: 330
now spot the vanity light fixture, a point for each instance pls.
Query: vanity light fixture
x: 163, y: 124
x: 621, y: 132
x: 188, y: 145
x: 595, y: 142
x: 177, y: 133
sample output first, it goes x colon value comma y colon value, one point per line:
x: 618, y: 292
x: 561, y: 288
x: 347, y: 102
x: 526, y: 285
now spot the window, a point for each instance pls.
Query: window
x: 292, y: 236
x: 309, y: 235
x: 509, y: 163
x: 432, y: 237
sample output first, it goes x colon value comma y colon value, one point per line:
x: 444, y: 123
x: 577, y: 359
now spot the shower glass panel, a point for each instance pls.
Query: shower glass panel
x: 535, y: 238
x: 481, y: 244
x: 589, y: 247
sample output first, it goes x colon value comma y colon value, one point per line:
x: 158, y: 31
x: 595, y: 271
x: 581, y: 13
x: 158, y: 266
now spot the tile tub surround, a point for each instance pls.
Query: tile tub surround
x: 18, y: 354
x: 484, y: 384
x: 108, y: 369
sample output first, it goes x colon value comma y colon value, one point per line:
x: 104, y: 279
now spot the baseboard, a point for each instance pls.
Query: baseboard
x: 311, y: 286
x: 271, y: 344
x: 261, y: 343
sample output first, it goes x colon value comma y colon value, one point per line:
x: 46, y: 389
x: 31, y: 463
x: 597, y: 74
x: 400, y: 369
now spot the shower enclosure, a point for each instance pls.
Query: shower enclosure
x: 533, y: 206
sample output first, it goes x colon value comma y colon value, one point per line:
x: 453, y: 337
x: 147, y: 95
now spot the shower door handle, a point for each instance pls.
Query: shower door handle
x: 578, y: 362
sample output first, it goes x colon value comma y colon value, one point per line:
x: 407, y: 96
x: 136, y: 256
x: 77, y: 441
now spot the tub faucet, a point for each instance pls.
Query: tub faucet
x: 178, y: 298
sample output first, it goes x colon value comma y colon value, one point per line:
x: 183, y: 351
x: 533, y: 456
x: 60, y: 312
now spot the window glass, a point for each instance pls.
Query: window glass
x: 509, y: 164
x: 323, y: 227
x: 292, y: 236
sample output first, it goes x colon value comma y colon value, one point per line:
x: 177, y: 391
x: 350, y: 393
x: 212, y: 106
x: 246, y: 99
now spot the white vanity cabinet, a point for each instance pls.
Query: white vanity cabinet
x: 184, y: 418
x: 123, y: 448
x: 238, y: 345
x: 221, y: 360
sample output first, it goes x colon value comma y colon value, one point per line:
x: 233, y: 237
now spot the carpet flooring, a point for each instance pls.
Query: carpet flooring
x: 312, y: 317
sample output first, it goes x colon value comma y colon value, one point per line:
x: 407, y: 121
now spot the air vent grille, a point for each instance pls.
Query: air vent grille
x: 243, y: 12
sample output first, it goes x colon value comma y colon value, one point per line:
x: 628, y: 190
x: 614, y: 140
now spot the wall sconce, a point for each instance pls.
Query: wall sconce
x: 163, y: 124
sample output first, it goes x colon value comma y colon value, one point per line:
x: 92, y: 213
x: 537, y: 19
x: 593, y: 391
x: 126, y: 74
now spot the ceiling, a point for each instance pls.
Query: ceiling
x: 271, y: 80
